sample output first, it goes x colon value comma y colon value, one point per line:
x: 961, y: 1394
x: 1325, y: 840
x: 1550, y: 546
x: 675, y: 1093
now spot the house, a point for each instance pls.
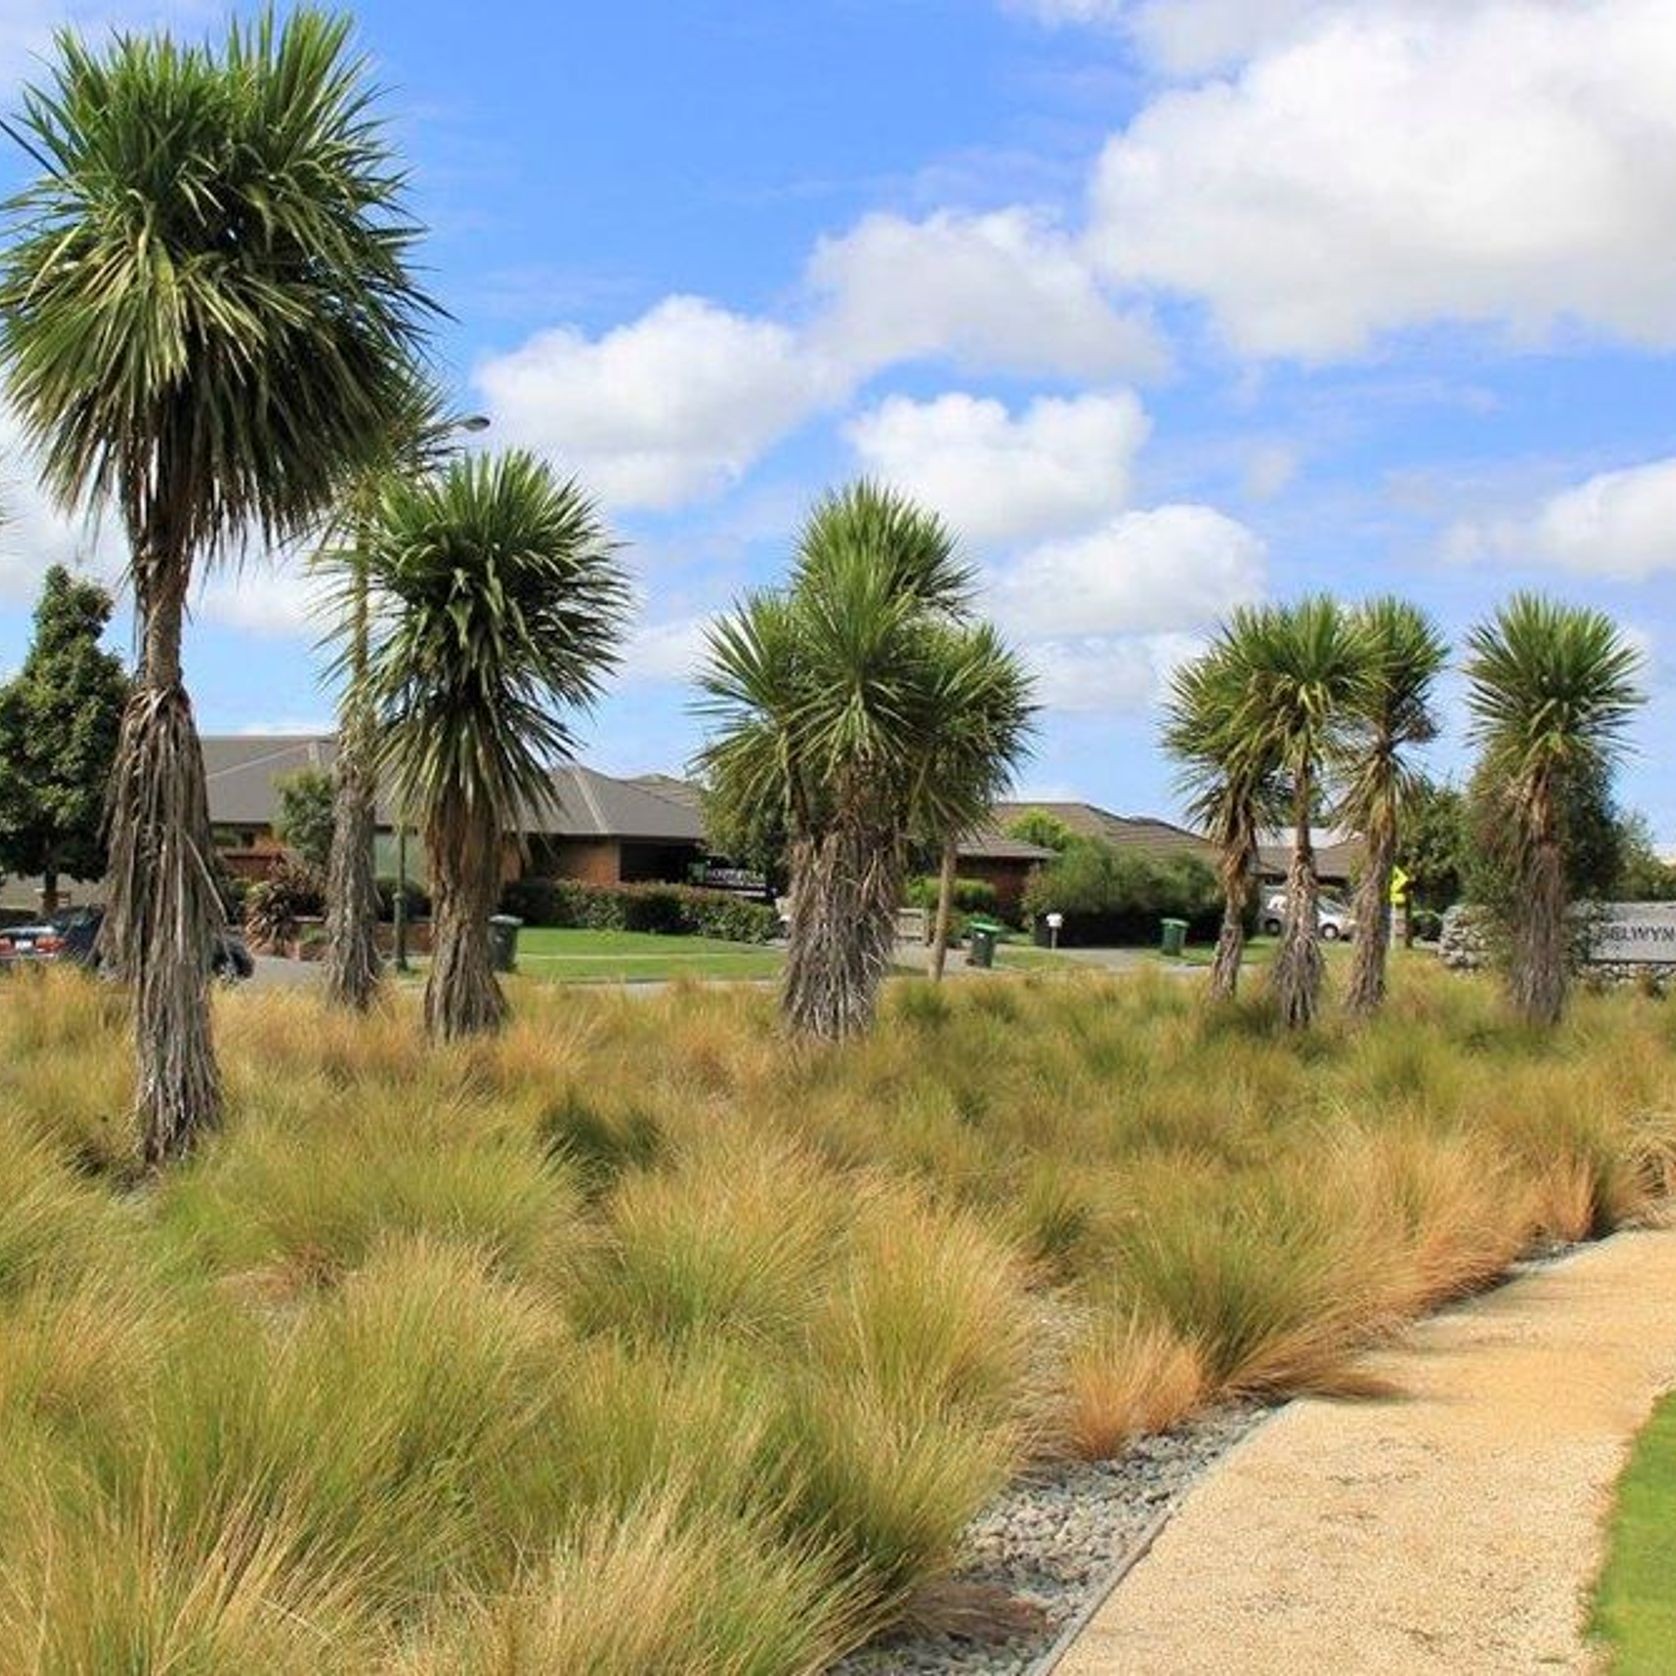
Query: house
x: 1339, y: 856
x: 1122, y: 832
x: 1005, y: 863
x: 989, y: 854
x: 597, y: 828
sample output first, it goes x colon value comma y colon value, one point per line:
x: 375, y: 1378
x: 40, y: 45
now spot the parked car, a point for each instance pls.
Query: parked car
x: 73, y: 935
x: 1336, y: 919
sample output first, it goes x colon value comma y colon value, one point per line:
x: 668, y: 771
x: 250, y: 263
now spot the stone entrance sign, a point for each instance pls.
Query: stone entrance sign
x: 1633, y: 934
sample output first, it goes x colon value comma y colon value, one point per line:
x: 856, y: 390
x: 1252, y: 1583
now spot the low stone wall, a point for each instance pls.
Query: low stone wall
x: 1658, y: 977
x: 1468, y: 944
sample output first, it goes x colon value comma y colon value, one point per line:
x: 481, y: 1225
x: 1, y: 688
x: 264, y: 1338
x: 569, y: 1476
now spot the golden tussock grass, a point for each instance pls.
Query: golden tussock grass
x: 1126, y: 1377
x: 639, y: 1338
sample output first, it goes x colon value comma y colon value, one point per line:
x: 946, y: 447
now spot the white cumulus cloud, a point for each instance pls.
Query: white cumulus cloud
x: 35, y: 533
x: 674, y: 406
x: 668, y: 651
x: 1183, y: 37
x: 268, y: 596
x: 1388, y: 163
x: 1173, y: 569
x: 1103, y: 674
x: 1619, y: 525
x: 1002, y: 292
x: 1059, y: 465
x: 681, y: 403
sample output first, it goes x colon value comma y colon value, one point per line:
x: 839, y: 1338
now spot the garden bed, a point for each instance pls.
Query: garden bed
x: 638, y: 1339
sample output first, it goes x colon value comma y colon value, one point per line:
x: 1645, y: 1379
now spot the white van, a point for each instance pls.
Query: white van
x: 1337, y: 921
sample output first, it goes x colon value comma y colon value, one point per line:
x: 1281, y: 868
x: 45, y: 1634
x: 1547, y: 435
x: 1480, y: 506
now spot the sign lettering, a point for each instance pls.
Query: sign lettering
x: 1632, y: 933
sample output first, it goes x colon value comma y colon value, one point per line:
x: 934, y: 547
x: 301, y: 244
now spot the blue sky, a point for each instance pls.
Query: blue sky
x: 1165, y: 305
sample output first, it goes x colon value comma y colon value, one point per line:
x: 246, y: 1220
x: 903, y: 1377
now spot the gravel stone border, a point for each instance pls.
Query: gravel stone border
x: 1059, y: 1539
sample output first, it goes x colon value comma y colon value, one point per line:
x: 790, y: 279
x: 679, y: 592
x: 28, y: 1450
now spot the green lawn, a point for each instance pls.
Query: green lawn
x: 1635, y: 1605
x: 567, y: 956
x: 1026, y: 956
x: 1259, y: 951
x: 639, y: 957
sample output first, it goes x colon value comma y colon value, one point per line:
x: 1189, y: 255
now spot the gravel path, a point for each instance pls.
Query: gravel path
x: 1053, y: 1542
x: 1453, y: 1529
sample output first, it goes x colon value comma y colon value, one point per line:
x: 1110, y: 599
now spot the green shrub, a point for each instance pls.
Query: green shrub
x: 667, y: 910
x: 306, y: 814
x: 416, y: 901
x: 1108, y: 895
x: 273, y: 906
x: 971, y: 896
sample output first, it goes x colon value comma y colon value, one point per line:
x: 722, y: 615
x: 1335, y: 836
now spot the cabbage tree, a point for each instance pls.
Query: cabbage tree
x: 496, y: 608
x: 836, y: 700
x: 206, y: 313
x: 1552, y: 691
x: 1391, y: 712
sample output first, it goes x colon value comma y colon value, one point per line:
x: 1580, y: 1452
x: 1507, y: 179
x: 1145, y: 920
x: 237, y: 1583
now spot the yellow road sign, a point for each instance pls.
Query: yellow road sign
x: 1400, y: 882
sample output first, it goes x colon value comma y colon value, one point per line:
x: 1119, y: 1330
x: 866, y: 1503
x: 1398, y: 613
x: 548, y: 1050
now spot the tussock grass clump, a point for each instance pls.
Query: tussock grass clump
x: 51, y: 1224
x: 600, y: 1136
x: 1124, y: 1378
x: 888, y: 1486
x: 639, y: 1338
x: 648, y: 1590
x: 308, y: 1200
x: 77, y: 1358
x: 101, y: 1590
x: 634, y: 1424
x: 734, y: 1238
x: 930, y: 1307
x: 1270, y: 1283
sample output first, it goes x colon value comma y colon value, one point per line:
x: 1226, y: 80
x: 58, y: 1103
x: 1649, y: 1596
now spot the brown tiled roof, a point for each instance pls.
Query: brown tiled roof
x: 241, y: 771
x: 1338, y: 855
x: 687, y: 792
x: 1124, y: 832
x: 992, y: 844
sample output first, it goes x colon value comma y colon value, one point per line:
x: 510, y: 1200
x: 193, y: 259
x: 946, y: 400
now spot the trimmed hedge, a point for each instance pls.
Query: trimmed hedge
x: 668, y: 910
x: 971, y: 896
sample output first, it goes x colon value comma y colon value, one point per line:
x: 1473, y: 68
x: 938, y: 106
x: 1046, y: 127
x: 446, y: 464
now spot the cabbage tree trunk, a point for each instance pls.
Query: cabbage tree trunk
x: 353, y: 966
x: 352, y: 962
x: 1237, y: 869
x: 462, y: 995
x: 945, y: 910
x: 1298, y: 967
x: 1373, y: 923
x: 162, y: 910
x: 1230, y: 950
x: 845, y: 886
x: 1539, y: 953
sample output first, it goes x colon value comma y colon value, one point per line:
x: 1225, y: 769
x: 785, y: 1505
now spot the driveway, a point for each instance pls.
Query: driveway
x: 273, y: 973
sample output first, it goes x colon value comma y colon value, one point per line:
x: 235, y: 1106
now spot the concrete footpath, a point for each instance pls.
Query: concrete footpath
x: 1455, y: 1528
